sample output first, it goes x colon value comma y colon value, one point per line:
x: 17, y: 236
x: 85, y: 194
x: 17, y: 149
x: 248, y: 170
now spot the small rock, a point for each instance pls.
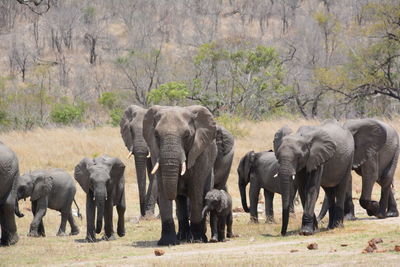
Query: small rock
x: 312, y: 246
x: 159, y: 252
x: 125, y: 257
x: 376, y: 240
x: 238, y: 209
x: 397, y: 248
x: 294, y: 250
x: 344, y: 245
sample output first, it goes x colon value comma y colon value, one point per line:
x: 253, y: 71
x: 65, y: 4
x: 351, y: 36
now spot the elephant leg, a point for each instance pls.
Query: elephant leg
x: 383, y: 202
x: 108, y: 220
x: 369, y: 173
x: 229, y: 222
x: 221, y: 228
x: 269, y: 207
x: 40, y: 211
x: 340, y: 193
x: 197, y: 223
x: 121, y: 207
x: 9, y: 234
x: 254, y: 194
x: 324, y: 209
x: 349, y: 213
x: 183, y: 218
x: 72, y: 223
x: 63, y: 224
x: 168, y: 233
x: 312, y: 185
x: 330, y: 204
x: 41, y: 231
x: 392, y: 206
x: 90, y: 214
x: 214, y: 227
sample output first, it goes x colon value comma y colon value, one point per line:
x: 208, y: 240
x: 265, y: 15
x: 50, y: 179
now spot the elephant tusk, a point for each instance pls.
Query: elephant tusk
x: 149, y: 155
x: 276, y: 175
x: 155, y: 168
x: 183, y: 168
x: 293, y: 176
x: 129, y: 155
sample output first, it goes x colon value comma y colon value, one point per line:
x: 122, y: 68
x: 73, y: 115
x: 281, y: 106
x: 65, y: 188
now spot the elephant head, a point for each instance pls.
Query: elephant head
x: 243, y: 171
x: 131, y: 127
x: 369, y: 137
x: 215, y: 200
x: 305, y: 151
x: 34, y: 185
x: 177, y: 136
x: 97, y: 178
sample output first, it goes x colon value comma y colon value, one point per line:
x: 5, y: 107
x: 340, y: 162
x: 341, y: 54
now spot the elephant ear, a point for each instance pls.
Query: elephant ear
x: 125, y: 128
x: 82, y: 174
x: 322, y: 148
x: 246, y: 164
x: 223, y: 201
x: 149, y: 125
x: 41, y: 187
x: 205, y: 132
x: 282, y: 132
x: 225, y: 140
x: 117, y: 169
x: 369, y: 137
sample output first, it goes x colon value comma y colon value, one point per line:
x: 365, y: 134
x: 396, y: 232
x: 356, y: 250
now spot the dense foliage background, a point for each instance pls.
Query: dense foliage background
x: 82, y: 62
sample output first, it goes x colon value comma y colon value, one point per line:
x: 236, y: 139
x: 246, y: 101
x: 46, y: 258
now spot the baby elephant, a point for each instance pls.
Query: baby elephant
x: 219, y: 204
x: 54, y: 189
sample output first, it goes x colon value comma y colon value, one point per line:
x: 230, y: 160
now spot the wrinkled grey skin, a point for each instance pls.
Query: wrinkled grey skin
x: 54, y: 189
x: 316, y: 156
x: 375, y: 160
x: 179, y: 136
x: 219, y: 204
x: 223, y: 163
x: 131, y: 127
x: 259, y: 170
x: 9, y: 173
x: 103, y: 181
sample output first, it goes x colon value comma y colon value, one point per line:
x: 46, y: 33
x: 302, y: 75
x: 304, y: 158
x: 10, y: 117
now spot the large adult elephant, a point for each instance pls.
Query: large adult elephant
x: 103, y: 181
x: 375, y: 160
x: 183, y: 150
x: 9, y: 174
x: 315, y: 156
x: 132, y: 133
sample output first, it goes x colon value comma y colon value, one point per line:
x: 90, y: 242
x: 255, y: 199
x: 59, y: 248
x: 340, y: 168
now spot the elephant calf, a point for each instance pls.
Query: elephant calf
x: 219, y: 204
x: 103, y: 181
x: 54, y: 189
x: 260, y: 169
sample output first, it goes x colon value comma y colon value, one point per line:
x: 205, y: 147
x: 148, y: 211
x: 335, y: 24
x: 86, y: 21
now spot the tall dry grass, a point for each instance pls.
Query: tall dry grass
x: 65, y: 147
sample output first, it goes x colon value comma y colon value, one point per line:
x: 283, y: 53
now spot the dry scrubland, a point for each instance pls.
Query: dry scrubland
x: 258, y: 244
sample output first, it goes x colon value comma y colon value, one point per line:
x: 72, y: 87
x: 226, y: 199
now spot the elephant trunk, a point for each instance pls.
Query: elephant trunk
x: 16, y: 209
x: 243, y: 196
x: 204, y: 211
x: 100, y: 201
x: 285, y: 178
x: 170, y: 180
x: 141, y: 167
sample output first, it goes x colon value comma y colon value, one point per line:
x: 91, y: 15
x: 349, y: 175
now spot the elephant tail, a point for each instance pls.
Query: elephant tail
x: 77, y: 207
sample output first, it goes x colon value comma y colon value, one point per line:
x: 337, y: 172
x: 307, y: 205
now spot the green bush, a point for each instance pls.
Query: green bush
x: 108, y: 100
x: 170, y: 93
x: 231, y: 123
x: 116, y: 115
x: 65, y: 113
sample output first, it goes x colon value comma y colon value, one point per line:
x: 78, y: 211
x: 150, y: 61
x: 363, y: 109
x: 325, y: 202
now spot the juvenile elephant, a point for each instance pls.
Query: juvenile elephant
x: 375, y: 160
x: 260, y: 170
x: 219, y: 204
x: 132, y: 133
x: 103, y: 181
x: 9, y: 173
x: 54, y: 189
x: 315, y: 156
x: 183, y: 151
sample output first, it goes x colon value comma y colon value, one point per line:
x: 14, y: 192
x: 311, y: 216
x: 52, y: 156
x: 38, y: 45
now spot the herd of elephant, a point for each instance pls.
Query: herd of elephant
x: 188, y: 158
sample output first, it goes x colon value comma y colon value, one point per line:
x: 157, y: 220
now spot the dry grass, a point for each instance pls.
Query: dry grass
x: 257, y: 245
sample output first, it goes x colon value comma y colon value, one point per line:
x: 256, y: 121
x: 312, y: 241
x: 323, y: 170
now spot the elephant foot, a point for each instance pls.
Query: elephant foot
x: 9, y: 239
x: 306, y: 231
x: 253, y: 219
x: 394, y: 213
x: 231, y: 235
x: 184, y: 231
x: 350, y: 217
x: 270, y: 220
x: 371, y: 206
x: 380, y: 215
x: 110, y: 237
x: 168, y: 234
x: 222, y: 240
x: 34, y: 234
x: 198, y: 233
x: 213, y: 239
x: 90, y: 239
x: 74, y: 231
x: 121, y: 232
x: 61, y: 233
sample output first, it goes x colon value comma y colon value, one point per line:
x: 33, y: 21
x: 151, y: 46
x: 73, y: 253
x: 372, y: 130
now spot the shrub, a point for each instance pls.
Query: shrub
x: 108, y: 100
x: 231, y: 123
x: 65, y: 113
x: 116, y: 115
